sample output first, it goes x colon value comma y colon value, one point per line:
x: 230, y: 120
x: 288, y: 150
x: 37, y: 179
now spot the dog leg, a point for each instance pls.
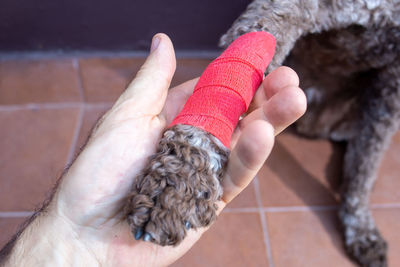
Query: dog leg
x: 286, y: 20
x: 380, y: 120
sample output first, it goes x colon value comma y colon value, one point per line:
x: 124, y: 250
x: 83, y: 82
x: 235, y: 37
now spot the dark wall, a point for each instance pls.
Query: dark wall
x: 113, y: 25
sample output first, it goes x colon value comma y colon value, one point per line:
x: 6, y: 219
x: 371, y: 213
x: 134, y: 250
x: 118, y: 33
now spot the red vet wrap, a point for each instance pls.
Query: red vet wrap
x: 227, y: 86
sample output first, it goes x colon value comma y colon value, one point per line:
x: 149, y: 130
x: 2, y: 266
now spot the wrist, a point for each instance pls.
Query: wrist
x: 49, y: 240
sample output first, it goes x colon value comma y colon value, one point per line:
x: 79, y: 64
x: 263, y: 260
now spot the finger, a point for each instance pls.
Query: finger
x: 148, y: 90
x: 281, y: 110
x: 253, y: 148
x: 176, y: 99
x: 280, y: 78
x: 275, y: 81
x: 247, y: 158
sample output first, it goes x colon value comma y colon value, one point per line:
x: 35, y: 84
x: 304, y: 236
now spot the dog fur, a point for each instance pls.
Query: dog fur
x: 346, y: 53
x: 179, y: 188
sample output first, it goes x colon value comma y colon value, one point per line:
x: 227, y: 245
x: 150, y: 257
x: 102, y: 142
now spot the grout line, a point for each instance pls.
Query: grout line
x: 304, y: 208
x: 385, y: 206
x: 61, y: 105
x: 40, y: 106
x: 264, y: 224
x: 36, y: 55
x: 75, y: 137
x: 299, y: 208
x: 6, y: 214
x: 241, y: 210
x: 15, y: 214
x: 75, y: 64
x: 82, y: 109
x: 99, y: 105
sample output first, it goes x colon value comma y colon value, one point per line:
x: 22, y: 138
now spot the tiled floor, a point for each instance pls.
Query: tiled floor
x: 286, y: 217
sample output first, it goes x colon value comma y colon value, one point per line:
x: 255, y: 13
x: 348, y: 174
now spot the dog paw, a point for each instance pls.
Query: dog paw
x: 179, y: 188
x: 367, y: 247
x: 163, y: 214
x: 171, y: 213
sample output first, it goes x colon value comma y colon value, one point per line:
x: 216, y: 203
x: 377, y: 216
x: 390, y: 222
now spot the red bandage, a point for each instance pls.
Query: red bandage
x: 227, y: 86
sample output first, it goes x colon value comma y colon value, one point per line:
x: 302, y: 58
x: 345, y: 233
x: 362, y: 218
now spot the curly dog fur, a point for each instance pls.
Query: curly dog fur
x: 179, y: 188
x: 347, y: 54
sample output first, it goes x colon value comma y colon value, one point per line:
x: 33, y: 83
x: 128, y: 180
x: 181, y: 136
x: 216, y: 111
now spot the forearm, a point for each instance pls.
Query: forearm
x: 48, y: 241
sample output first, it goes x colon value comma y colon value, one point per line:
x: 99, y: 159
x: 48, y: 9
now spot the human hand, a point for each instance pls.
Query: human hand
x: 84, y: 222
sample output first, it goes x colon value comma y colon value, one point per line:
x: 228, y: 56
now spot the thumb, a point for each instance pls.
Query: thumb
x: 148, y: 90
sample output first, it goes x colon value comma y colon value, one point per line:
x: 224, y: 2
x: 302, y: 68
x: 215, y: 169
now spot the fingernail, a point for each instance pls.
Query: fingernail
x: 138, y: 233
x: 147, y: 237
x: 154, y: 43
x: 187, y: 225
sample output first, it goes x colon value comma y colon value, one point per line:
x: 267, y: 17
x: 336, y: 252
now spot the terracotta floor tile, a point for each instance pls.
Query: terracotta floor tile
x: 387, y: 221
x: 104, y: 79
x: 386, y: 189
x: 35, y: 145
x: 236, y: 239
x: 246, y: 199
x: 90, y: 117
x: 301, y: 172
x: 306, y: 239
x: 188, y: 69
x: 38, y: 81
x: 8, y: 227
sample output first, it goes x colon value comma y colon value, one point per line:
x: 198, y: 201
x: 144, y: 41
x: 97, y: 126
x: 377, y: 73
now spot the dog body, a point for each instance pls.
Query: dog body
x: 347, y: 54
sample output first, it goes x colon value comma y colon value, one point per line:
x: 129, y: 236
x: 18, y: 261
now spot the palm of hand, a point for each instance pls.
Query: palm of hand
x: 91, y: 195
x: 117, y: 150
